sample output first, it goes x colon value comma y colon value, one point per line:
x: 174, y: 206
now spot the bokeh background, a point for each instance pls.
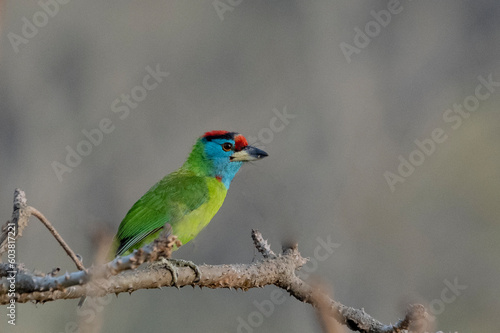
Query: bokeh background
x: 324, y: 177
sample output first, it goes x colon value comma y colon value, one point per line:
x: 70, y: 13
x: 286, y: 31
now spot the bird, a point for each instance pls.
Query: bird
x: 188, y: 198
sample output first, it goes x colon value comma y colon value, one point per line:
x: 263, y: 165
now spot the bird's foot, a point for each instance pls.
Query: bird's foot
x: 173, y: 264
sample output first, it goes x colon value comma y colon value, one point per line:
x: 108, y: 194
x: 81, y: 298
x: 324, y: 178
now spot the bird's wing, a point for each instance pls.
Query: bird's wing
x: 171, y: 198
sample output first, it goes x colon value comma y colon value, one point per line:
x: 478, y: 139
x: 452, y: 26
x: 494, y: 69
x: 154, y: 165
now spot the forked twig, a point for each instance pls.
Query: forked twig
x: 120, y: 275
x: 19, y: 221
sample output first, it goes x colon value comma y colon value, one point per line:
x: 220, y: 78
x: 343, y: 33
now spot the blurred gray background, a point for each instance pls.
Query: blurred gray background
x: 234, y: 68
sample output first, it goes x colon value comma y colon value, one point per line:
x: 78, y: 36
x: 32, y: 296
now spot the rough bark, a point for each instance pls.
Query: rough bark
x: 123, y: 274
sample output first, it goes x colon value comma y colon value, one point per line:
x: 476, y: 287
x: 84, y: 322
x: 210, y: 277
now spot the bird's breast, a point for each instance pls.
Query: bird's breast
x: 191, y: 224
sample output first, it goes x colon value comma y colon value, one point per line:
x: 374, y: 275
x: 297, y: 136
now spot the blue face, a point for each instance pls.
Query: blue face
x: 219, y: 152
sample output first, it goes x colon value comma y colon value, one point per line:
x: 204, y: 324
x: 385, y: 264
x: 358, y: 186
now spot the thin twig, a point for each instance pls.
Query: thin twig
x: 19, y: 221
x: 29, y: 283
x: 262, y: 245
x: 328, y: 324
x: 58, y: 237
x: 100, y: 240
x: 13, y: 229
x: 279, y: 271
x: 120, y: 276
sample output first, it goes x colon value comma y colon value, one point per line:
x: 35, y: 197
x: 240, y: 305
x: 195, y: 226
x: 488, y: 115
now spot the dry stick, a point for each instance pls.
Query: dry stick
x: 328, y: 323
x: 58, y: 237
x: 278, y: 270
x: 27, y: 282
x: 262, y: 245
x: 19, y: 220
x: 101, y: 241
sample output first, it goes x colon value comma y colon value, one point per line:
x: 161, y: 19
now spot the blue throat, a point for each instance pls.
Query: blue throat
x: 207, y: 158
x: 226, y: 170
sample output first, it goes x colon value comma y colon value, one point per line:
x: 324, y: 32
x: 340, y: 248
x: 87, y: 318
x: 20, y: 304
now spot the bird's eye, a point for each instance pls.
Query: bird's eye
x: 227, y: 146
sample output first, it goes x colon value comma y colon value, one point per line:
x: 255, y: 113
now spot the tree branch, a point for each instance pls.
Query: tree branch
x: 123, y: 275
x: 19, y: 221
x: 262, y: 245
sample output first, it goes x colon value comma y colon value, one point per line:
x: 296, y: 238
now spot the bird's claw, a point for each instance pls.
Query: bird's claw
x: 173, y: 270
x: 172, y: 264
x: 190, y: 264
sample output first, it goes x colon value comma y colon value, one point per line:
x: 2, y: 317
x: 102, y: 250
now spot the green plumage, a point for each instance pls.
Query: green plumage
x: 188, y: 198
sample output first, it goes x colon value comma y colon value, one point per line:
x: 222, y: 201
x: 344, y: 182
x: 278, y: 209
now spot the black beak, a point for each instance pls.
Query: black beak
x: 248, y: 153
